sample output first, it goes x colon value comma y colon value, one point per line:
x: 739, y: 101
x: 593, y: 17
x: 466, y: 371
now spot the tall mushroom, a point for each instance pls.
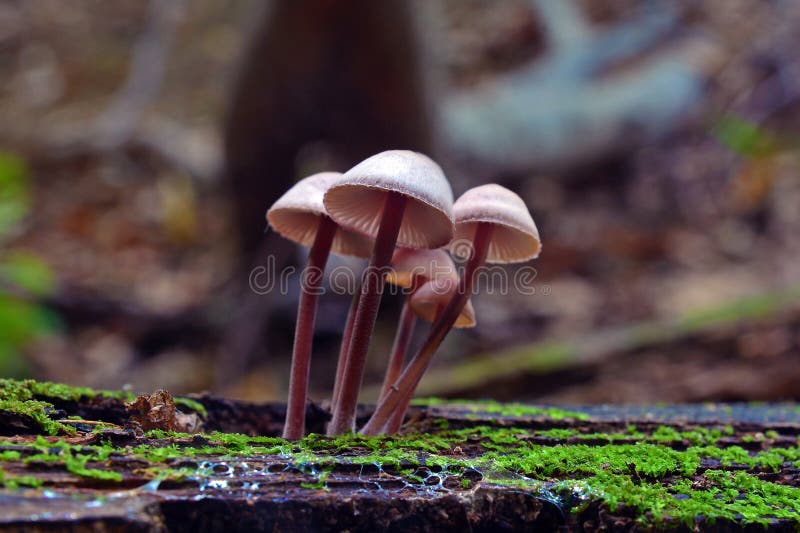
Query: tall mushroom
x: 501, y: 230
x: 396, y: 197
x: 344, y: 348
x: 300, y: 216
x: 427, y: 303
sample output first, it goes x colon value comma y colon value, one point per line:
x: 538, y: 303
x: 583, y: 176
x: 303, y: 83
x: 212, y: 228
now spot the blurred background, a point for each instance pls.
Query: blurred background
x: 657, y: 144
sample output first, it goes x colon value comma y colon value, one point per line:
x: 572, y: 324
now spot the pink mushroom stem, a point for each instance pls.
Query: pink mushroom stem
x: 345, y: 347
x: 344, y: 412
x: 407, y: 383
x: 395, y: 421
x: 405, y: 329
x: 304, y: 329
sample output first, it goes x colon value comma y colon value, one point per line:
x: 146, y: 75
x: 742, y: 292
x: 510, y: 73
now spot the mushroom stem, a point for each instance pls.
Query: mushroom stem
x: 344, y: 412
x: 413, y: 372
x: 396, y: 419
x: 405, y: 329
x: 294, y: 428
x: 345, y: 347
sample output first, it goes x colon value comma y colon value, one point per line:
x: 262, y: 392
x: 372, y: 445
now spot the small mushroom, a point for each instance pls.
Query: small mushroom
x: 427, y: 303
x: 431, y: 298
x: 409, y: 266
x: 493, y: 209
x: 300, y: 216
x: 501, y: 230
x: 410, y: 269
x: 396, y: 197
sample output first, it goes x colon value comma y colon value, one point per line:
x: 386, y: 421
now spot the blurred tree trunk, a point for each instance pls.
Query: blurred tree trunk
x: 322, y: 85
x: 344, y: 75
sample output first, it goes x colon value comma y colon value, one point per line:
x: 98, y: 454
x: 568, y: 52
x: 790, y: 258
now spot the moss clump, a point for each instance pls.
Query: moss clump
x: 28, y: 389
x: 9, y: 481
x: 34, y: 399
x: 74, y: 458
x: 696, y: 436
x: 213, y: 444
x: 188, y: 404
x: 30, y: 398
x: 647, y: 460
x: 737, y: 497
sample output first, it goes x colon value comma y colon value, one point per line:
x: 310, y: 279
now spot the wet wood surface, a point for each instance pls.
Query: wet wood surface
x: 285, y: 491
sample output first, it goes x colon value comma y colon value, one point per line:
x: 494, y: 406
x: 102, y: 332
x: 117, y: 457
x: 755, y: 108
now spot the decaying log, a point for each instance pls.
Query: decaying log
x: 458, y: 466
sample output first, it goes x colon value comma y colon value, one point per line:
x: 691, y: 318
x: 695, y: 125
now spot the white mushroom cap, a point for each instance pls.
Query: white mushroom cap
x: 296, y: 214
x: 356, y: 201
x: 431, y: 297
x: 409, y: 264
x: 514, y: 239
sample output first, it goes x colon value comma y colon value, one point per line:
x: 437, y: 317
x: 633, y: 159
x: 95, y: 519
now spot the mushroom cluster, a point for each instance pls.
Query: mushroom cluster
x: 395, y: 208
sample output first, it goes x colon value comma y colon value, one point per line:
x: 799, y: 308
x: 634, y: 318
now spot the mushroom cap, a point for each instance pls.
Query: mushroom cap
x: 431, y: 297
x: 514, y: 239
x: 296, y: 215
x: 356, y: 201
x: 409, y: 264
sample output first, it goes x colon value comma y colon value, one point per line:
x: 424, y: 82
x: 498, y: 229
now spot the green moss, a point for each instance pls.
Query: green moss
x: 516, y: 410
x: 750, y: 307
x: 9, y: 481
x: 74, y: 459
x: 28, y: 389
x: 191, y: 405
x: 76, y: 464
x: 559, y: 433
x: 737, y: 497
x: 650, y: 478
x: 39, y: 412
x: 579, y: 459
x: 696, y: 436
x: 770, y: 459
x: 34, y: 399
x: 211, y: 444
x: 30, y: 398
x: 10, y: 455
x: 662, y: 475
x: 320, y: 483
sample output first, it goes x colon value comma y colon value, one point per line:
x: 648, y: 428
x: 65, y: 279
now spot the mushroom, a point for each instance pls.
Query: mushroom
x: 431, y: 298
x: 427, y: 303
x: 396, y: 197
x: 410, y: 269
x: 300, y: 216
x: 501, y: 230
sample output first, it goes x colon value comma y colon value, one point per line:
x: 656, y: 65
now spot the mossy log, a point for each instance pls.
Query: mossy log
x: 81, y: 459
